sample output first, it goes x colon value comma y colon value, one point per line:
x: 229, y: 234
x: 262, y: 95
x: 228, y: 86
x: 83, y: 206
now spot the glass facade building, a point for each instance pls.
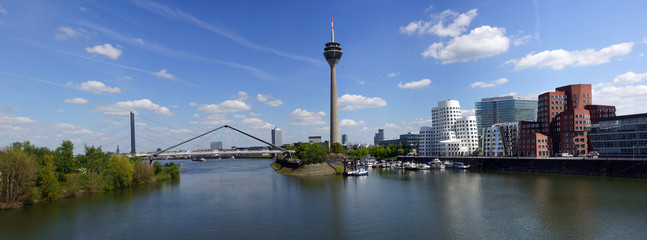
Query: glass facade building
x: 504, y: 109
x: 620, y: 136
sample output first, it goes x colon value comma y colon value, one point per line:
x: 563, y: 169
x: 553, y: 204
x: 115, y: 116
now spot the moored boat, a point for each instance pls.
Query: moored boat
x: 461, y: 165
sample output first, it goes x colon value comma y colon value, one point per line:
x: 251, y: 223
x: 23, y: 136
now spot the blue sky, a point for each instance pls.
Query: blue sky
x: 74, y: 69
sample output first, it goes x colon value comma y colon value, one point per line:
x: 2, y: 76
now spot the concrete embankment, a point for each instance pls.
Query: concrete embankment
x: 580, y: 166
x: 295, y: 169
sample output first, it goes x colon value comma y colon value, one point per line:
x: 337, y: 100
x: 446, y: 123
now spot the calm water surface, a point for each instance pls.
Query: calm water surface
x: 244, y: 199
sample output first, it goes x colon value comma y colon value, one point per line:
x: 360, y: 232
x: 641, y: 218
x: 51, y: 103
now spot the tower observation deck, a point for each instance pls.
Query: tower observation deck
x: 332, y: 53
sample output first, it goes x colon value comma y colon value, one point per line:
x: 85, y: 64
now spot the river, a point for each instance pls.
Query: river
x: 246, y: 199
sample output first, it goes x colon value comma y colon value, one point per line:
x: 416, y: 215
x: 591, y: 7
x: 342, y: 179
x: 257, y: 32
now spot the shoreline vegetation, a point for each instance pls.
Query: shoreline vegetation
x: 318, y: 160
x: 31, y: 175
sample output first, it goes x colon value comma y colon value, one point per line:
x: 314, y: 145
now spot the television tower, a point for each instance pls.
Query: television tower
x: 332, y: 53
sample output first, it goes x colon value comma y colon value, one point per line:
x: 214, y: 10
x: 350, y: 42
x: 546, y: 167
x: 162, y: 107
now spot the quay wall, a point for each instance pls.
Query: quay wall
x: 579, y: 166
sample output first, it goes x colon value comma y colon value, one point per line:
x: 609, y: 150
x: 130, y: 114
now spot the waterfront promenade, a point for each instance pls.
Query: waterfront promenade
x: 611, y: 167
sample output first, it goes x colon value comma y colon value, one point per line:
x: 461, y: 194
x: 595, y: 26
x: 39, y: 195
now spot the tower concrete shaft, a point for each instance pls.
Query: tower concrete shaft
x: 332, y: 53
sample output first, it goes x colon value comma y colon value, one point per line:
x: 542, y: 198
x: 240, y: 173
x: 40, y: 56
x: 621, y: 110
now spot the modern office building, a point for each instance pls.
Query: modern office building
x: 332, y: 53
x: 277, y: 137
x: 408, y: 140
x: 379, y: 136
x: 562, y: 119
x: 344, y: 139
x: 500, y: 139
x: 451, y: 134
x: 504, y: 109
x: 216, y: 146
x: 620, y: 136
x: 315, y: 139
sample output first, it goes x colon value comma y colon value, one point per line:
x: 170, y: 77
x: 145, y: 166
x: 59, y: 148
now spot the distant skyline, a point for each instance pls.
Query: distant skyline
x: 74, y: 69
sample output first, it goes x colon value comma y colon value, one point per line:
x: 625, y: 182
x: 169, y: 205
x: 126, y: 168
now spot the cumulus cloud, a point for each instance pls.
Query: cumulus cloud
x: 415, y: 84
x: 228, y: 106
x: 490, y: 84
x: 106, y: 50
x: 163, y: 74
x: 558, y: 59
x: 484, y: 41
x: 628, y: 99
x: 630, y: 77
x: 457, y: 24
x: 76, y: 101
x: 193, y: 104
x: 354, y: 102
x: 393, y: 74
x: 122, y: 108
x: 350, y: 123
x: 96, y: 87
x: 269, y: 100
x: 304, y: 118
x: 256, y: 123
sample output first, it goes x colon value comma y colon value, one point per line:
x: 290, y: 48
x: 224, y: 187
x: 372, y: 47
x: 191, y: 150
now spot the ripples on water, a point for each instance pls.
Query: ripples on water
x: 242, y: 199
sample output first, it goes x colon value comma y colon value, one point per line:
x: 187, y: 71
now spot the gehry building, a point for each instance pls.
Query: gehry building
x: 451, y: 134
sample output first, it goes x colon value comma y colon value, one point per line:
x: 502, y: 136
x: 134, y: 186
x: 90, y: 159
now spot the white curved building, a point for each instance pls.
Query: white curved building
x: 451, y: 134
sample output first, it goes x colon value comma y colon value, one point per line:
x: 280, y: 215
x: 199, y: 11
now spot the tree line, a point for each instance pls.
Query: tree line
x: 316, y: 153
x: 30, y: 174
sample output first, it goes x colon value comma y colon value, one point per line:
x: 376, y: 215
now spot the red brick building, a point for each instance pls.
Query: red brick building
x: 562, y: 118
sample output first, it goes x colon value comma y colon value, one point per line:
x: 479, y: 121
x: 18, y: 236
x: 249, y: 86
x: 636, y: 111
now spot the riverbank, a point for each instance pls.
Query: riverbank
x: 577, y: 166
x: 316, y: 169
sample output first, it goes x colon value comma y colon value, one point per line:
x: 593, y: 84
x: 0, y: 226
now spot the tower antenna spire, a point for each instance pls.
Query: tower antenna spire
x: 332, y: 31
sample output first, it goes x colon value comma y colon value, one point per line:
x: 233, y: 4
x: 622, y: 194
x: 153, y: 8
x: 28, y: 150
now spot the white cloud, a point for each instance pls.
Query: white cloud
x: 193, y: 104
x: 123, y: 108
x: 629, y: 99
x: 415, y: 84
x: 96, y: 87
x: 269, y: 100
x: 468, y: 112
x: 163, y: 74
x: 255, y: 114
x: 241, y: 116
x: 2, y: 9
x: 558, y: 59
x: 436, y: 25
x: 128, y: 77
x: 241, y: 96
x: 228, y: 106
x: 9, y: 119
x: 362, y: 82
x: 305, y: 118
x: 60, y: 110
x: 65, y: 32
x: 256, y: 123
x: 393, y: 74
x: 350, y: 123
x: 490, y: 84
x: 645, y: 40
x: 106, y: 50
x: 521, y: 41
x: 354, y: 102
x: 76, y: 101
x: 139, y: 40
x: 181, y: 130
x: 484, y: 41
x: 216, y: 119
x: 630, y: 77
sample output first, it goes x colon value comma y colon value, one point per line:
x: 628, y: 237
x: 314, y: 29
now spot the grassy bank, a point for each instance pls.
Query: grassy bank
x: 315, y: 169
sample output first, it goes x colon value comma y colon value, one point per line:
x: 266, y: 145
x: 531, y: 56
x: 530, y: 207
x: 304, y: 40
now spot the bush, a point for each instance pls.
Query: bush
x: 173, y: 170
x: 158, y: 167
x: 121, y: 170
x: 143, y: 173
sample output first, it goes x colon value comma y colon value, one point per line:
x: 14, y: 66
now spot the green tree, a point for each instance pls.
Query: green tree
x: 121, y: 171
x: 50, y: 187
x: 337, y: 148
x: 17, y: 177
x: 64, y: 159
x: 312, y: 153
